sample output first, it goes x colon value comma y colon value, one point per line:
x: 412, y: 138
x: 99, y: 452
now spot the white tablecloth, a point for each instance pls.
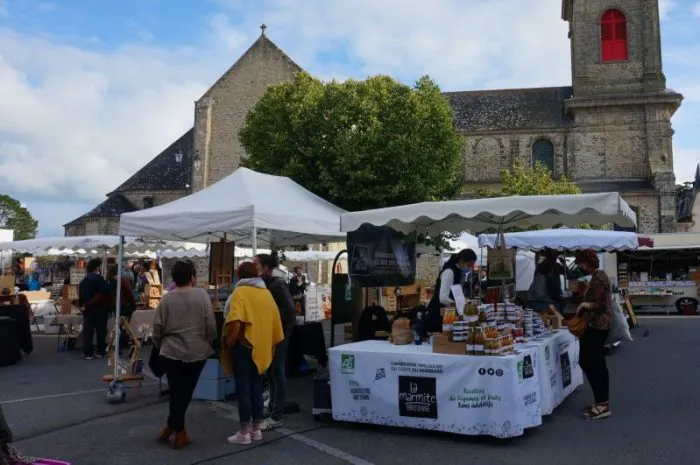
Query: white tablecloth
x: 379, y: 383
x: 558, y: 371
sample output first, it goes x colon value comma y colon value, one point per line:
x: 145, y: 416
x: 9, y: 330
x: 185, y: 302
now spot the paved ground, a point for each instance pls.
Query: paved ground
x: 55, y: 405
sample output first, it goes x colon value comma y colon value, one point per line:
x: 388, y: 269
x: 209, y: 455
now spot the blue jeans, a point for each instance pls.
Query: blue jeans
x: 278, y: 380
x: 249, y: 385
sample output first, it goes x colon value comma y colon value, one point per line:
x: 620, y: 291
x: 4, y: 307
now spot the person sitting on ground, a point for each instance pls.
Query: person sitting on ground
x: 252, y: 330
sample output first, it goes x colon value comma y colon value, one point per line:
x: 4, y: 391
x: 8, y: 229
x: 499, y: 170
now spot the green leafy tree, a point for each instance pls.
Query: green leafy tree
x: 524, y: 180
x: 358, y: 144
x: 16, y: 217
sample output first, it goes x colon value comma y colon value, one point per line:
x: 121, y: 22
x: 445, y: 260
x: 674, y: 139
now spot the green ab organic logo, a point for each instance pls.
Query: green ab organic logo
x: 347, y: 363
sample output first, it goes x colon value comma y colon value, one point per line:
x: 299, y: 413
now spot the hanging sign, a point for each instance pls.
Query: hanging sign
x: 381, y: 257
x: 500, y: 263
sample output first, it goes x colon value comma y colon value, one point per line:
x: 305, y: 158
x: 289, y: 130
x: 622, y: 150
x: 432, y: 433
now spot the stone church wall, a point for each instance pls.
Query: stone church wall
x: 159, y: 197
x: 593, y: 77
x: 231, y: 98
x: 647, y: 207
x: 486, y: 155
x: 609, y: 143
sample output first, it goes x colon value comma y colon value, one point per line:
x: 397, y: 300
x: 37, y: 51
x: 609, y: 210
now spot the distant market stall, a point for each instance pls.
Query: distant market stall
x: 493, y: 370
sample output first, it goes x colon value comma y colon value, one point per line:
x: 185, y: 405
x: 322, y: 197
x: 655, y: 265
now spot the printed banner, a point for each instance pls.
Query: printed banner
x: 318, y: 303
x: 409, y: 386
x: 380, y: 257
x: 559, y: 374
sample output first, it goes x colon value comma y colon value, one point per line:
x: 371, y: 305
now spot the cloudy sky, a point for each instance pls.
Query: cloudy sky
x: 92, y: 90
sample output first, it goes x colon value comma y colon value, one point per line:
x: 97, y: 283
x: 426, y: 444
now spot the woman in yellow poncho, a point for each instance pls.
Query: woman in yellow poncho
x: 251, y: 332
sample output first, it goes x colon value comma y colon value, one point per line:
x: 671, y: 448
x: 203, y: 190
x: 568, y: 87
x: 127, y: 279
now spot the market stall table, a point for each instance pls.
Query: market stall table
x: 69, y: 329
x: 379, y: 383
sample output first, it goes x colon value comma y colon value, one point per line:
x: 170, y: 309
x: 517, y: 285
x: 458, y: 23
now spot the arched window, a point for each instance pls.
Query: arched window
x: 613, y: 36
x: 543, y: 152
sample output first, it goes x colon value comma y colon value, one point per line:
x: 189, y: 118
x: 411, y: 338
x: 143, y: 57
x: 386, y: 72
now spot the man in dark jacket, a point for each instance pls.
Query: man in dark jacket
x: 283, y: 298
x: 93, y: 294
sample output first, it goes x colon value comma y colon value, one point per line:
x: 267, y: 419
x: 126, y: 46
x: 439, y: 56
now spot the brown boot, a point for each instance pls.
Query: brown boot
x: 164, y: 435
x: 182, y: 439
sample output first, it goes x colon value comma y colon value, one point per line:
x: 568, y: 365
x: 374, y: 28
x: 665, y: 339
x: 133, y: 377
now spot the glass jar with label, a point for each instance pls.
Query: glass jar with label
x: 479, y: 342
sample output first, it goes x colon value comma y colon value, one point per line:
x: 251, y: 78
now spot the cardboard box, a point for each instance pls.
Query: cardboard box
x: 7, y: 282
x: 443, y: 345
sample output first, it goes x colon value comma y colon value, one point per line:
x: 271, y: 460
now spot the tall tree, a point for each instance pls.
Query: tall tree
x: 358, y: 144
x: 13, y: 215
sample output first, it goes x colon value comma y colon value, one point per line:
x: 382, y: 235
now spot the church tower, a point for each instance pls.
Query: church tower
x: 621, y: 135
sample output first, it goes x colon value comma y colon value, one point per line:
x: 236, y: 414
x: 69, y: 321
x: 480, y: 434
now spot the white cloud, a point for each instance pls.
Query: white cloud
x: 665, y: 6
x: 696, y: 9
x: 685, y: 161
x: 74, y: 123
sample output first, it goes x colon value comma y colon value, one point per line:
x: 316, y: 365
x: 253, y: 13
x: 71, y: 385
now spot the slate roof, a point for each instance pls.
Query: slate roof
x: 163, y: 173
x: 115, y: 205
x: 509, y: 109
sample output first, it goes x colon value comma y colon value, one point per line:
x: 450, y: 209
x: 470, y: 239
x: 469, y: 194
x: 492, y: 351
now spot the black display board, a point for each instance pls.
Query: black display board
x: 381, y: 257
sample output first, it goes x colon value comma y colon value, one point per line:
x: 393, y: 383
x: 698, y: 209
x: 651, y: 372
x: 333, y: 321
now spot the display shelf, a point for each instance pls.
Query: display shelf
x: 152, y: 294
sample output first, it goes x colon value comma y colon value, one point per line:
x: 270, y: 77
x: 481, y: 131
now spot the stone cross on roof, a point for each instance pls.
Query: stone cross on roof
x: 262, y: 28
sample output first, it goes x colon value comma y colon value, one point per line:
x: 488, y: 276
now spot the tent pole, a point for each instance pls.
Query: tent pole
x: 254, y: 240
x: 117, y: 327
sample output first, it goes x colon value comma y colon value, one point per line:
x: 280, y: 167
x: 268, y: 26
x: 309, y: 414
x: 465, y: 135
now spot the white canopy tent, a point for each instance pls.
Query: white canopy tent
x: 242, y: 252
x: 250, y: 208
x: 86, y: 244
x: 564, y: 239
x: 245, y: 207
x: 497, y: 213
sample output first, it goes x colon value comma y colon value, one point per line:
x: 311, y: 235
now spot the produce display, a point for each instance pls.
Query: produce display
x: 488, y: 329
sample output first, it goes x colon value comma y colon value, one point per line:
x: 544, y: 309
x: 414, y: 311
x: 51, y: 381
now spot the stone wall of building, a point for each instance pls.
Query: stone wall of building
x: 608, y: 143
x: 486, y: 155
x: 647, y: 208
x: 93, y: 227
x: 642, y: 70
x: 220, y: 114
x: 158, y: 197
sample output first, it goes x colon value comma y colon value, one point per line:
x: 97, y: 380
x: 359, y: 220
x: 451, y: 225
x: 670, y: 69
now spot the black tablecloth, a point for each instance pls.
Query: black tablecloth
x: 19, y: 314
x: 306, y: 339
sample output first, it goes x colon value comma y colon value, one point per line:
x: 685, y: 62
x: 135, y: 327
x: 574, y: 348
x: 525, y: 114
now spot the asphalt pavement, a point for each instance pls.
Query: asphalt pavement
x: 55, y: 404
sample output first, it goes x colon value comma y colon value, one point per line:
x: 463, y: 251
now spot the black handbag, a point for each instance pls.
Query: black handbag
x: 155, y: 362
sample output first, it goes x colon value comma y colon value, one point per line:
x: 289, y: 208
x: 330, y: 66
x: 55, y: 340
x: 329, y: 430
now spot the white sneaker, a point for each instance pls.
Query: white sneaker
x: 269, y: 424
x: 89, y: 357
x: 256, y: 435
x: 241, y: 438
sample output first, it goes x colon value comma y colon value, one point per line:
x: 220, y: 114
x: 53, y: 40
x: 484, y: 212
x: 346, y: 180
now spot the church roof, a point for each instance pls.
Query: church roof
x: 164, y: 173
x: 509, y: 109
x: 262, y: 45
x: 115, y: 205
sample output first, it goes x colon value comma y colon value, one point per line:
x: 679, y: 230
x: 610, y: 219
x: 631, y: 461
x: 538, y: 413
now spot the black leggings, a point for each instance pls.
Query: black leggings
x: 182, y: 380
x: 593, y: 364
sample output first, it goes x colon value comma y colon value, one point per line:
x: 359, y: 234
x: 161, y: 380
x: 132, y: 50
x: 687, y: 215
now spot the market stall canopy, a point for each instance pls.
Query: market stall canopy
x: 87, y: 244
x: 479, y: 215
x: 242, y: 252
x: 282, y: 212
x: 568, y: 239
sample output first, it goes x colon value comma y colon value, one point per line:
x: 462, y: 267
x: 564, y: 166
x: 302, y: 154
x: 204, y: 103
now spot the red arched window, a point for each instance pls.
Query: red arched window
x: 613, y: 36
